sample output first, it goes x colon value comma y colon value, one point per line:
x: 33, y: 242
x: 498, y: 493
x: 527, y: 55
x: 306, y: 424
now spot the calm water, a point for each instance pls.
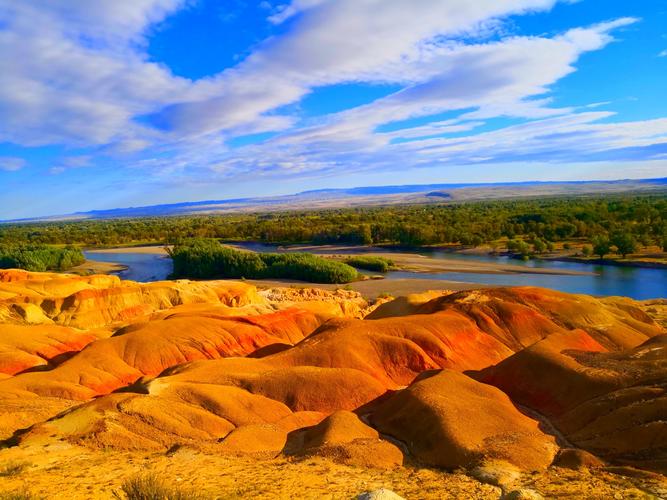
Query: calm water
x: 635, y: 282
x: 141, y: 267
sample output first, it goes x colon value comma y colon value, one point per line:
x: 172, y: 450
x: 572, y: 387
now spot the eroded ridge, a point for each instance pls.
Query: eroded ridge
x: 499, y: 382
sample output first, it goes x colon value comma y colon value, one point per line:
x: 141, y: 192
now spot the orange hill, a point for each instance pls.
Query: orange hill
x: 441, y: 379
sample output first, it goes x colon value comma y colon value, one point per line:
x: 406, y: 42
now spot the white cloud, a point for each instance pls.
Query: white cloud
x: 663, y: 53
x: 11, y: 163
x: 73, y: 74
x: 335, y: 42
x: 79, y: 76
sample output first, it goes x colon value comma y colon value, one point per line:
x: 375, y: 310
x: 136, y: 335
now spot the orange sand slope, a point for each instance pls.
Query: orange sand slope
x: 503, y: 375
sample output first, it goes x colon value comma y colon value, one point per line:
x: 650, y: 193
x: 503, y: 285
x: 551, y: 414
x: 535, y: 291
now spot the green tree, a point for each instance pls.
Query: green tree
x: 601, y: 246
x: 624, y: 242
x: 539, y: 245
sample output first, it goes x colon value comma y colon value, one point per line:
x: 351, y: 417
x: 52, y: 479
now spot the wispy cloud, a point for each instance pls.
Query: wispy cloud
x: 11, y: 164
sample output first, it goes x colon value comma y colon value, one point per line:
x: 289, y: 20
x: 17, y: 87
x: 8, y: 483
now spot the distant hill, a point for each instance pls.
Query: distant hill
x: 374, y: 195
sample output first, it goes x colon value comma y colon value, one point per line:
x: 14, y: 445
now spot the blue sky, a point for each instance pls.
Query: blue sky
x: 134, y: 102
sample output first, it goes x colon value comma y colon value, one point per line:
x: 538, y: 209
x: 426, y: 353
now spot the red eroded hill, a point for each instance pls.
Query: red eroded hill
x: 147, y: 349
x: 98, y: 300
x: 612, y: 404
x: 442, y: 379
x: 24, y: 347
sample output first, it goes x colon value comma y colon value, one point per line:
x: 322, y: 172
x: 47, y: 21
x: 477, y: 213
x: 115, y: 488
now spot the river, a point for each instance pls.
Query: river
x: 141, y: 267
x: 635, y: 282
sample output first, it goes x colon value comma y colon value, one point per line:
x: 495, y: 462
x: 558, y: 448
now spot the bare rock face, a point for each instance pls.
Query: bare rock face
x: 490, y: 380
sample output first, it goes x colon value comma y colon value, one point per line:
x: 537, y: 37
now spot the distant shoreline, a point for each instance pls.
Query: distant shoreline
x: 412, y: 262
x: 404, y: 253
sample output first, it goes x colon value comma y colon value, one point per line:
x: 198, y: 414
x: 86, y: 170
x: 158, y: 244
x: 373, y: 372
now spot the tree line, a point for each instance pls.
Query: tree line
x: 639, y: 220
x: 39, y: 257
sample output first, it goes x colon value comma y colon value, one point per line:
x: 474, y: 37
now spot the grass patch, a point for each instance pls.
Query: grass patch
x: 18, y: 495
x: 370, y: 263
x: 207, y: 259
x: 151, y: 487
x: 13, y: 468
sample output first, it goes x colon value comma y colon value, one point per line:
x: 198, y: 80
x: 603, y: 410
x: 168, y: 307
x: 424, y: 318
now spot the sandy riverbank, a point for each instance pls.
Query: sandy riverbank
x: 155, y: 250
x: 96, y: 267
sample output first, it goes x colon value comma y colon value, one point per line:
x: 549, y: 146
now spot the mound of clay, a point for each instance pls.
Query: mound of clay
x: 222, y: 367
x: 344, y: 438
x: 206, y: 401
x: 147, y: 349
x: 23, y: 347
x: 521, y: 316
x: 95, y: 301
x: 612, y: 404
x: 449, y: 420
x: 404, y: 306
x: 396, y: 350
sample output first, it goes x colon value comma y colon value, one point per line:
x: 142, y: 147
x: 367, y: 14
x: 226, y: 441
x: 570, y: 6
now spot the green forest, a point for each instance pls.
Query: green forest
x: 206, y: 259
x: 633, y: 220
x: 39, y: 257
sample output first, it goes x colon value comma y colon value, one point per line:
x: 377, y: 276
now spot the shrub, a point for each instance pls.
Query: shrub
x: 539, y: 246
x: 370, y: 263
x: 39, y: 257
x: 12, y: 468
x: 207, y: 259
x: 601, y: 246
x: 151, y: 487
x: 520, y: 248
x: 22, y: 494
x: 624, y: 242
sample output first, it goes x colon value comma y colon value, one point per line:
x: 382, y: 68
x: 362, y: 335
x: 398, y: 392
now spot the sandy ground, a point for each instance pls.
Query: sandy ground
x: 371, y: 289
x: 96, y: 267
x: 60, y: 470
x: 404, y: 261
